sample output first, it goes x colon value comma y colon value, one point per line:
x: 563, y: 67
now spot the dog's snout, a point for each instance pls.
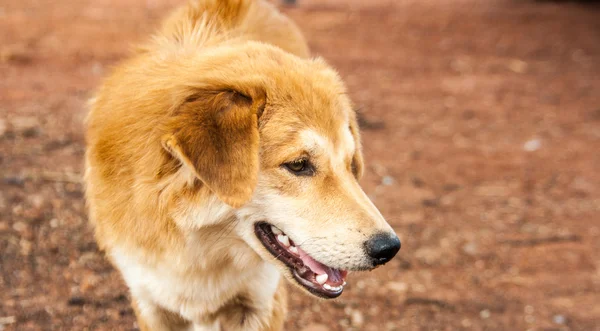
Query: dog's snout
x: 382, y: 247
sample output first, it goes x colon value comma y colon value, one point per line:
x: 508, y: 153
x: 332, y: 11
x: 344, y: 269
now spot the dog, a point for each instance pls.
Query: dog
x: 221, y: 158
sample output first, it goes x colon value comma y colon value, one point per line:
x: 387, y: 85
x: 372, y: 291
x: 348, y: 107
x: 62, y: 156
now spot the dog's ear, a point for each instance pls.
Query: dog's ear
x: 215, y: 134
x: 357, y: 164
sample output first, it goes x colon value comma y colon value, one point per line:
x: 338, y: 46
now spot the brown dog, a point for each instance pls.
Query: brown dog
x: 221, y: 157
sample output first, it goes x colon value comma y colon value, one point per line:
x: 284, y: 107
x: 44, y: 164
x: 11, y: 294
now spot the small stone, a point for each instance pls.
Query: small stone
x: 26, y: 125
x: 532, y: 145
x: 398, y: 287
x: 518, y: 66
x: 7, y: 320
x: 348, y: 310
x: 493, y: 191
x: 429, y: 256
x: 19, y: 226
x: 419, y: 288
x: 113, y: 314
x: 344, y: 323
x: 461, y: 65
x: 36, y: 200
x: 357, y: 318
x: 387, y: 180
x: 3, y: 127
x: 87, y: 257
x: 26, y: 246
x: 582, y: 185
x: 485, y: 314
x: 470, y: 248
x: 361, y: 284
x: 97, y: 69
x: 450, y: 102
x: 412, y: 216
x: 374, y: 310
x: 379, y: 169
x: 559, y: 319
x: 54, y: 223
x: 89, y: 282
x: 529, y: 319
x: 529, y: 310
x: 448, y: 200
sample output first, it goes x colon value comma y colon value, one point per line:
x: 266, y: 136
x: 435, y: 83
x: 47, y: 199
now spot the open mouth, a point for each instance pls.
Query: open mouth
x: 319, y: 279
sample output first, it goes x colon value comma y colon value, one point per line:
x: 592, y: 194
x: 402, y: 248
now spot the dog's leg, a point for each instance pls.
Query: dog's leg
x: 248, y: 312
x: 215, y: 326
x: 279, y: 308
x: 153, y: 318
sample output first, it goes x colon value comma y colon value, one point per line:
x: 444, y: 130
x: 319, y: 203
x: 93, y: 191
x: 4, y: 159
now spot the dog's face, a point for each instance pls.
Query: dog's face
x: 290, y: 164
x: 308, y: 209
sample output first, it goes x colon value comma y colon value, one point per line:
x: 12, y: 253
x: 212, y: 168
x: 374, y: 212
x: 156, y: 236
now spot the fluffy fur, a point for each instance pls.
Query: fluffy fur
x: 185, y: 142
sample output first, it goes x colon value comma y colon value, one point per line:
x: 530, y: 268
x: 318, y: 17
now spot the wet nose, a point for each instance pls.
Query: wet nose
x: 382, y: 247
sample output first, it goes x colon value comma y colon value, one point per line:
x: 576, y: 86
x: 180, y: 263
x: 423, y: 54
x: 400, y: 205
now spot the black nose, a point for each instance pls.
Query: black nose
x: 382, y: 247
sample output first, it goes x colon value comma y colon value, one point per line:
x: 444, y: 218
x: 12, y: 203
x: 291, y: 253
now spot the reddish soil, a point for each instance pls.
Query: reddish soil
x: 481, y: 132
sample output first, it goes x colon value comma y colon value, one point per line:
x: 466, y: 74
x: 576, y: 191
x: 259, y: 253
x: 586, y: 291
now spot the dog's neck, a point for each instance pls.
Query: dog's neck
x: 211, y: 267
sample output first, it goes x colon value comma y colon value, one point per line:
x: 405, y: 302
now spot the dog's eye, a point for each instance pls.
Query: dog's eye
x: 301, y: 167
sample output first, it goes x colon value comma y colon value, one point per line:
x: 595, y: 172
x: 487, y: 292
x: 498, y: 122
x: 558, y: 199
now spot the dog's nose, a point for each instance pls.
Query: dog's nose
x: 382, y: 247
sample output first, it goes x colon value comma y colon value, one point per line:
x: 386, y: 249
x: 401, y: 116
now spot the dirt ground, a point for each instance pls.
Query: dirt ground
x: 481, y: 126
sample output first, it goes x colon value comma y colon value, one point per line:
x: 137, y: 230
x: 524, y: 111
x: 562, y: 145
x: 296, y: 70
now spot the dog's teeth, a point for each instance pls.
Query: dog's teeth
x: 275, y: 230
x: 321, y: 279
x: 294, y: 250
x: 284, y: 240
x: 344, y: 283
x: 327, y: 287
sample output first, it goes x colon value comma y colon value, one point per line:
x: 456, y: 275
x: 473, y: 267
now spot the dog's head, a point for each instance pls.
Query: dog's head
x: 284, y: 150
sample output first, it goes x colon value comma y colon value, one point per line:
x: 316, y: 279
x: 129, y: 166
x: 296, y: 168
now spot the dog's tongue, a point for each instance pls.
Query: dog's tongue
x: 335, y: 276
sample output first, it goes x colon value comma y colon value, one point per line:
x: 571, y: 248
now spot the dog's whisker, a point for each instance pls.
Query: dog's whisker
x: 227, y: 229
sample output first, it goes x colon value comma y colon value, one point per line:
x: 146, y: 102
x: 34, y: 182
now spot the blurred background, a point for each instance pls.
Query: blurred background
x: 481, y: 127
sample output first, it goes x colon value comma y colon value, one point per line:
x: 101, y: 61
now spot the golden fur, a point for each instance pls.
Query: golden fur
x: 185, y: 142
